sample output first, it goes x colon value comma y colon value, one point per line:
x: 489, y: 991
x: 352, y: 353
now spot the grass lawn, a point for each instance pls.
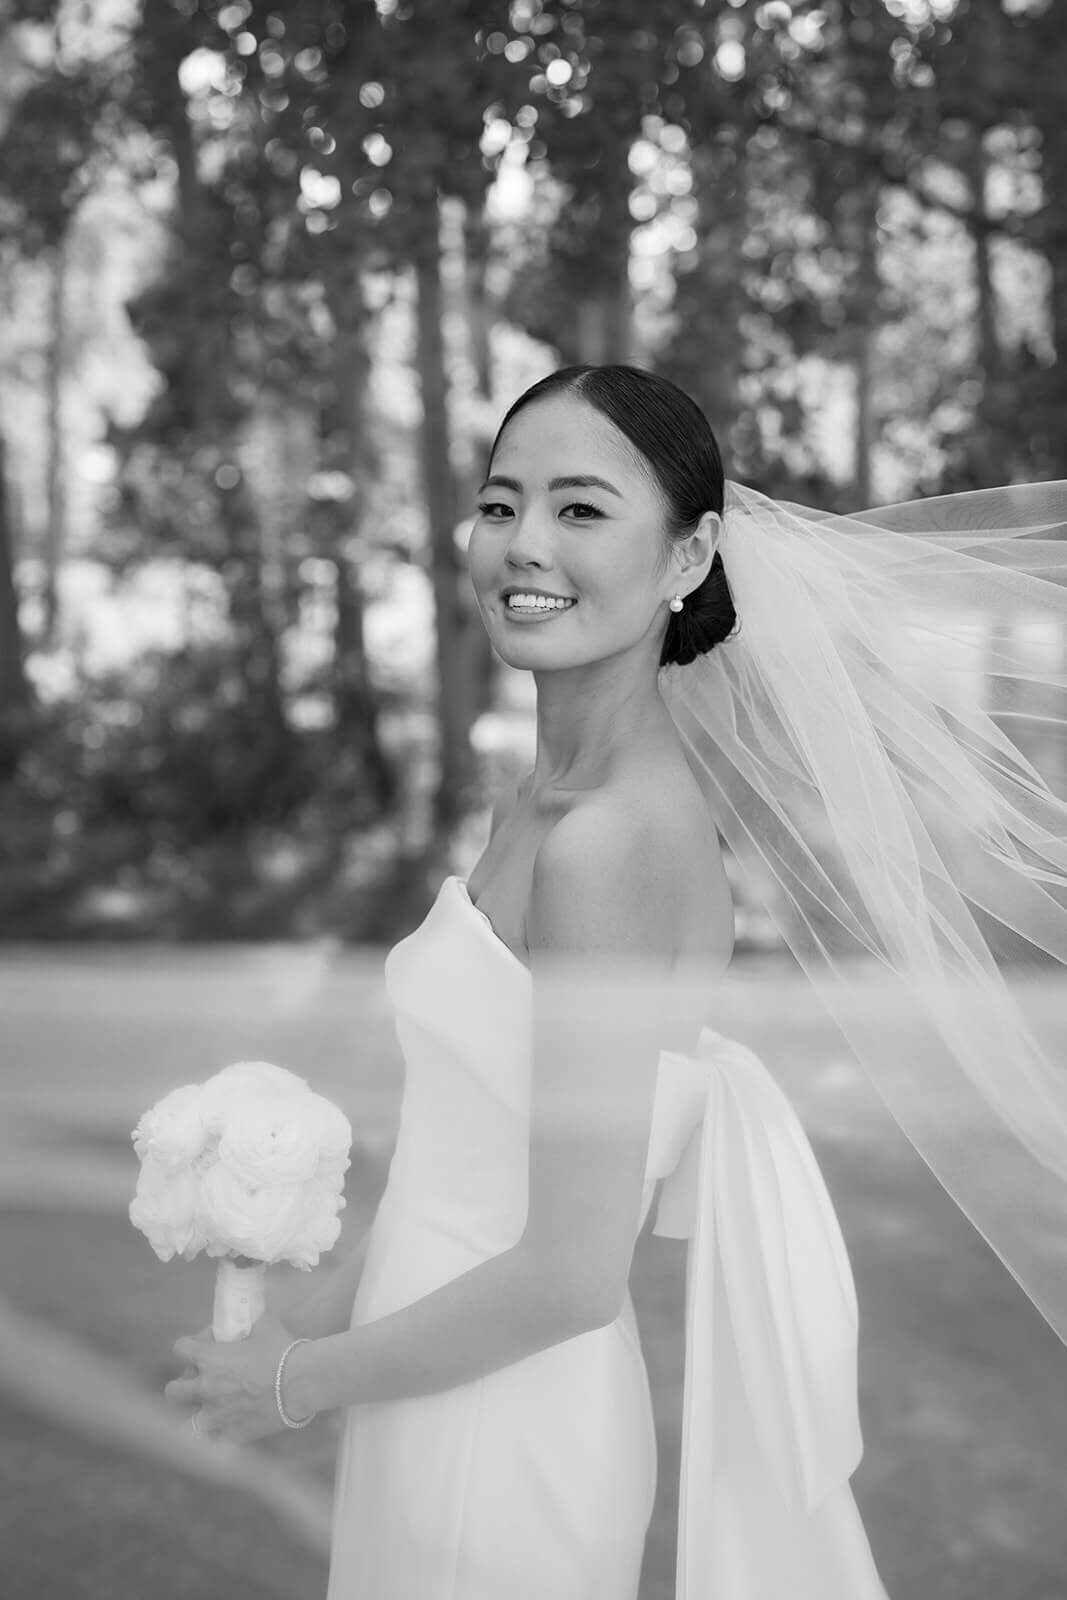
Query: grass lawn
x: 84, y: 1522
x: 963, y: 1486
x: 96, y: 1277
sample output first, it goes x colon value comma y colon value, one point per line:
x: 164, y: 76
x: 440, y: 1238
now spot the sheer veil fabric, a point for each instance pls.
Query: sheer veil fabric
x: 853, y: 740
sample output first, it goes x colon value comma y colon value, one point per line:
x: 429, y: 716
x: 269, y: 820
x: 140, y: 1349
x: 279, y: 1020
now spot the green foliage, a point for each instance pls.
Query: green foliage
x: 788, y: 208
x: 164, y: 780
x: 46, y: 158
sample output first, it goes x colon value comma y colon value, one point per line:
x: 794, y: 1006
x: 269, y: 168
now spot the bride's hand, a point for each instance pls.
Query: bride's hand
x: 230, y: 1386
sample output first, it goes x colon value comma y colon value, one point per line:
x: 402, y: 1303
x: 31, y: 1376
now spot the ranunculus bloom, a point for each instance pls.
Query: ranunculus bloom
x: 261, y: 1222
x: 331, y: 1179
x: 261, y: 1075
x: 173, y: 1132
x: 242, y: 1083
x: 334, y: 1131
x: 250, y: 1163
x: 320, y: 1227
x: 166, y: 1209
x: 270, y: 1141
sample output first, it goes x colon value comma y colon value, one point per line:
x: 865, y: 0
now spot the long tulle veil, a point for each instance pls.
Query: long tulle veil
x: 853, y: 739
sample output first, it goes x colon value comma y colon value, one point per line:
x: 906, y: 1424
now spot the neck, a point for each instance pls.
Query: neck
x: 590, y: 720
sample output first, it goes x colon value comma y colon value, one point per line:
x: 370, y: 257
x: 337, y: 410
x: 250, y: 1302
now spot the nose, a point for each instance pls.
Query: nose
x: 530, y: 542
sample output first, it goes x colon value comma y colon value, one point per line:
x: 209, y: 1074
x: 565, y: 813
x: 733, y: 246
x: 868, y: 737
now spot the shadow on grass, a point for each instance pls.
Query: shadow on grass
x: 83, y: 1521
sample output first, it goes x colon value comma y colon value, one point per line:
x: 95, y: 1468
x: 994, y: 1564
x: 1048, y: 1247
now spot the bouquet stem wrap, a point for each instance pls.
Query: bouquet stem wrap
x: 239, y: 1299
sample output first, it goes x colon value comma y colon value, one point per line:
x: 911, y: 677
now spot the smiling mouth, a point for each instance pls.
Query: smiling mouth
x: 548, y: 606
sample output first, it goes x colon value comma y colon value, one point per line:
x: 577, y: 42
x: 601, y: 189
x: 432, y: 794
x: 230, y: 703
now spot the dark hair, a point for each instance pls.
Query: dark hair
x: 674, y: 437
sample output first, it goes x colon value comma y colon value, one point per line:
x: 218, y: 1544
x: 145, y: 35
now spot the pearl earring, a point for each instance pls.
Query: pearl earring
x: 676, y: 603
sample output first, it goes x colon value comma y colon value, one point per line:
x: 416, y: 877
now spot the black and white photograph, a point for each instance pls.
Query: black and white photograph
x: 533, y: 800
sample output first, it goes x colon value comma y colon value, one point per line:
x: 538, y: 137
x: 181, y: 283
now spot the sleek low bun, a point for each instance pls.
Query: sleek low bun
x: 705, y: 620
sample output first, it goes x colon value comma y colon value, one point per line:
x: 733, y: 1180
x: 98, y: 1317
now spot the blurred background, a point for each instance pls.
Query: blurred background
x: 270, y: 275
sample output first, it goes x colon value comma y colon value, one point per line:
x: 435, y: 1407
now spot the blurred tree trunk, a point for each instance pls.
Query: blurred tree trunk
x: 604, y: 322
x: 254, y: 609
x: 15, y: 693
x: 250, y: 607
x: 986, y: 467
x: 864, y: 314
x: 605, y: 312
x: 974, y: 102
x: 476, y: 297
x: 706, y: 348
x: 474, y: 304
x: 356, y: 709
x: 15, y: 696
x: 456, y: 766
x: 55, y: 539
x: 347, y: 447
x: 991, y: 70
x: 214, y: 417
x: 1047, y: 111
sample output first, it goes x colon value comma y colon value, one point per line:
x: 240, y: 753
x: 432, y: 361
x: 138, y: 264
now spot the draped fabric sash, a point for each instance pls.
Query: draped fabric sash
x: 769, y: 1296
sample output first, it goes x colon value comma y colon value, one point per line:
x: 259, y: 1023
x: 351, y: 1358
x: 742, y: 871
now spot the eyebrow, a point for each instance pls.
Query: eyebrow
x: 583, y: 481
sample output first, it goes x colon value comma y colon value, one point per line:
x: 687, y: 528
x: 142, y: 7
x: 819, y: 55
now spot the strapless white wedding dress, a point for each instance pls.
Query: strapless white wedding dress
x: 537, y: 1481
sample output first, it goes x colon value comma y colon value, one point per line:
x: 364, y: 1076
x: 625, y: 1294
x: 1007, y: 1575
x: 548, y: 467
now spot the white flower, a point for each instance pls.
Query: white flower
x: 258, y: 1222
x: 260, y: 1075
x: 333, y: 1129
x: 166, y: 1209
x: 320, y: 1228
x: 270, y: 1142
x: 173, y: 1132
x: 331, y: 1180
x: 241, y: 1083
x: 250, y: 1163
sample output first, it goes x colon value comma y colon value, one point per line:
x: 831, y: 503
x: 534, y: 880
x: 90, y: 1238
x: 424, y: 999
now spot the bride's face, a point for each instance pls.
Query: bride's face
x: 543, y: 525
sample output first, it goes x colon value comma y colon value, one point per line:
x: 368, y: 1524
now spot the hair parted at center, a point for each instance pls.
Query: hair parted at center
x: 674, y: 438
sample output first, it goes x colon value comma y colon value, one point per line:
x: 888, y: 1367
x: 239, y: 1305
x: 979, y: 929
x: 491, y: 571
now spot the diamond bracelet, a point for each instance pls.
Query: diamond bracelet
x: 288, y: 1420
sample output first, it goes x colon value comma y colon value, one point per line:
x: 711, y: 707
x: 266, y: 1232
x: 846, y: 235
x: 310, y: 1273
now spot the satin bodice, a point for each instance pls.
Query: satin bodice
x: 460, y: 999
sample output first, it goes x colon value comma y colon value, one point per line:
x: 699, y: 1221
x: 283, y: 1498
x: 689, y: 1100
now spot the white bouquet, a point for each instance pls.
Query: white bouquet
x: 248, y: 1167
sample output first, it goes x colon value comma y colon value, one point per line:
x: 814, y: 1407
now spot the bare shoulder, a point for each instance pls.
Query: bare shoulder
x: 604, y: 879
x: 635, y: 868
x: 603, y: 830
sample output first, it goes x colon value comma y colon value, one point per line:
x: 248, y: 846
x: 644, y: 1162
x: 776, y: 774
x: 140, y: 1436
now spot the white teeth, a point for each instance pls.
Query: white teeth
x: 535, y: 602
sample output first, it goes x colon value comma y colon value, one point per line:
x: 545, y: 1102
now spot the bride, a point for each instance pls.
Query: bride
x: 706, y: 663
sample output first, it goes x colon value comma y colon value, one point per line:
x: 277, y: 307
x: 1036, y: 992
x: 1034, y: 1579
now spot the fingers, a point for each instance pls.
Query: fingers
x: 223, y: 1434
x: 194, y: 1346
x: 205, y: 1336
x: 184, y: 1391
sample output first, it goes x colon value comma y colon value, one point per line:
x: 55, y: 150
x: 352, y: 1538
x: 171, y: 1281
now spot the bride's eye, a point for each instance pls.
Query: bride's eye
x: 490, y: 508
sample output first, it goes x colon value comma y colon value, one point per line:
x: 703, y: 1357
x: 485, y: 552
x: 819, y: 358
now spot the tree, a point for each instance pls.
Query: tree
x: 427, y: 82
x: 47, y: 144
x: 49, y: 159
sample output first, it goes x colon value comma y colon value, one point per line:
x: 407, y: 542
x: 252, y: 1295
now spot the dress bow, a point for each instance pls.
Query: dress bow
x: 771, y: 1312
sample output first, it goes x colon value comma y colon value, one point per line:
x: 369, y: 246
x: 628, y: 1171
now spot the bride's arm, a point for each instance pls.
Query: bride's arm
x: 600, y: 891
x: 328, y: 1308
